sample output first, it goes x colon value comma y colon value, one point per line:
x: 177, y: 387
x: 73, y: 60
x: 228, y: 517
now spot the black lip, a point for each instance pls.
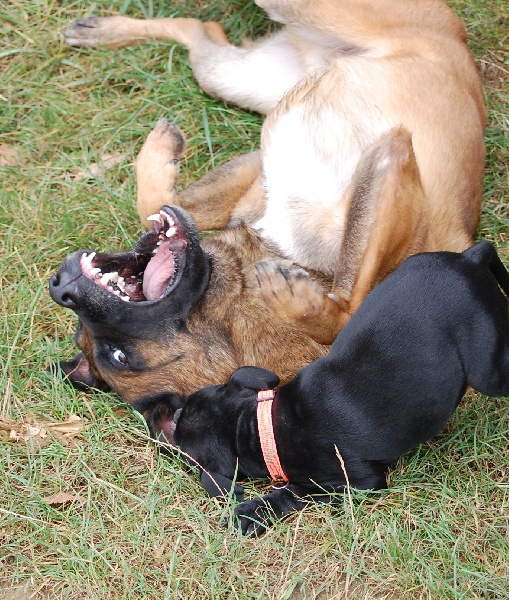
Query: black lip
x: 102, y: 311
x: 74, y: 280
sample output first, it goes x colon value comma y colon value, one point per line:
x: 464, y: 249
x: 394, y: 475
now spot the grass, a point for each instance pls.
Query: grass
x: 136, y: 525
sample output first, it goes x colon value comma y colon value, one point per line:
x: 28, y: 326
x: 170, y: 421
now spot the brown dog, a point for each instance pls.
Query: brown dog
x: 175, y: 313
x: 372, y: 151
x: 338, y: 77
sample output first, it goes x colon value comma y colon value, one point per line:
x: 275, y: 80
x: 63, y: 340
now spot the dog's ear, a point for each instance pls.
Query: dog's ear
x: 80, y: 374
x: 254, y: 378
x: 218, y: 485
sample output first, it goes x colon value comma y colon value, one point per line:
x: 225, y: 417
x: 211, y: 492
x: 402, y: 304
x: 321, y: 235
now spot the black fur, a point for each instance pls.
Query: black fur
x: 392, y: 380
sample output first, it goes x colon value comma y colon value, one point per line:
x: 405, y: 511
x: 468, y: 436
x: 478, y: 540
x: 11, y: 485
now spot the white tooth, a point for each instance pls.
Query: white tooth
x: 116, y: 292
x: 114, y: 276
x: 155, y: 217
x: 95, y: 271
x: 121, y: 284
x: 159, y: 242
x: 171, y: 232
x: 105, y: 279
x: 125, y: 298
x: 154, y: 251
x: 91, y: 256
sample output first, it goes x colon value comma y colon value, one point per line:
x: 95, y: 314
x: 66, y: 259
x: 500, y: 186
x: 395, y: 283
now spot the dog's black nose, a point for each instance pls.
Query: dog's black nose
x: 63, y: 290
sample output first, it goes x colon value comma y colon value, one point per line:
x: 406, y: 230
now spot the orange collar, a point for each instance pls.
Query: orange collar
x: 266, y: 434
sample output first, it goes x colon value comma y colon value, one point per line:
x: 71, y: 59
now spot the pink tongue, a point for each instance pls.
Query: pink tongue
x: 158, y: 272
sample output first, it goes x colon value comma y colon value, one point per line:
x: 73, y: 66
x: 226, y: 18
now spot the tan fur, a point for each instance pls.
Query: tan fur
x: 372, y: 149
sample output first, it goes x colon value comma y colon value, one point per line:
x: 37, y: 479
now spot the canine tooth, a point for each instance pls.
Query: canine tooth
x: 171, y: 232
x: 154, y: 217
x: 105, y: 279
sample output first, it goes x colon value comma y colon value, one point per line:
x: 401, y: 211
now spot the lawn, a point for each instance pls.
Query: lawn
x: 88, y: 509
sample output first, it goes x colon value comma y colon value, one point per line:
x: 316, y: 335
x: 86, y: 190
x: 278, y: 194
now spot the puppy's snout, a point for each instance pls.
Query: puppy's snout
x: 63, y: 291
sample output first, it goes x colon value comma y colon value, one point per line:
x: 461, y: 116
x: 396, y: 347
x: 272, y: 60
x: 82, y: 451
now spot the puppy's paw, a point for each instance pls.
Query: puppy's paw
x: 295, y: 298
x: 157, y: 167
x: 99, y: 31
x: 253, y: 517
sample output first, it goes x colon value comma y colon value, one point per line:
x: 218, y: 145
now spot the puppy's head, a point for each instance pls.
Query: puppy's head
x: 204, y: 425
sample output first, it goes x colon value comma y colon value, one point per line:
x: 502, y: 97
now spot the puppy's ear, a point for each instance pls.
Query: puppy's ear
x: 80, y: 374
x: 254, y: 378
x: 218, y: 485
x: 159, y: 412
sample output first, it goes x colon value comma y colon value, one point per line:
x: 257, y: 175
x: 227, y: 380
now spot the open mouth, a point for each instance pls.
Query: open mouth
x: 150, y: 271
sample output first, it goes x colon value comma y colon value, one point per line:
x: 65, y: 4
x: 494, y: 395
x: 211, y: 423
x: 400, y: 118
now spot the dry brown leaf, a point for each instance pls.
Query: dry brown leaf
x: 60, y: 499
x: 9, y: 156
x: 42, y: 432
x: 98, y: 169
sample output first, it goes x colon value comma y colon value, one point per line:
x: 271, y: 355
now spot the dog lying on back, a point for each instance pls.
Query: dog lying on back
x: 392, y: 380
x: 372, y: 151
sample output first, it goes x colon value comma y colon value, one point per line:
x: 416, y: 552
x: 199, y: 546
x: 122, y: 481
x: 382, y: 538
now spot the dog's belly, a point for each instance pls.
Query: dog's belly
x: 309, y: 158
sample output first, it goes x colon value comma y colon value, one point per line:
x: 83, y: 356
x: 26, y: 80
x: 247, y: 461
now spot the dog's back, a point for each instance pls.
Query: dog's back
x: 443, y: 309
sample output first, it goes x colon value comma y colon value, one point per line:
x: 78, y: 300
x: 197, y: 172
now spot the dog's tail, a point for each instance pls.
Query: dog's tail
x: 483, y: 254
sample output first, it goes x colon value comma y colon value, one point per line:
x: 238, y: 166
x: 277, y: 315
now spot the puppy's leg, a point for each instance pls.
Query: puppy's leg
x: 254, y: 77
x: 226, y: 196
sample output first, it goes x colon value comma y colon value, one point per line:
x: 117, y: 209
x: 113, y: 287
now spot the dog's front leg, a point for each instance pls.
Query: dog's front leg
x: 255, y: 516
x: 231, y: 192
x: 119, y: 31
x: 295, y: 298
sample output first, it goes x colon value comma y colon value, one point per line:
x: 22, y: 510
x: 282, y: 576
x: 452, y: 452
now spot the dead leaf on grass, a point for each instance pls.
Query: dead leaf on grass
x: 9, y: 156
x: 61, y: 499
x: 98, y: 169
x: 31, y: 429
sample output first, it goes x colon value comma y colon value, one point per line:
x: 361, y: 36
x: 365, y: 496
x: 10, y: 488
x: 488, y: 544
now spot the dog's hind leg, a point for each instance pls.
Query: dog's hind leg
x: 385, y: 223
x: 254, y: 76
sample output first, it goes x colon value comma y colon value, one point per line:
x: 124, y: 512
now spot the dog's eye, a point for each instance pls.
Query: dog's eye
x: 119, y: 356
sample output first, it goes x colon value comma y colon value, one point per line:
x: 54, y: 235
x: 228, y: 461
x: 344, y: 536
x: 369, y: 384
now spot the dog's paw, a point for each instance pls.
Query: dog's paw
x: 89, y: 32
x: 289, y: 290
x: 92, y: 31
x: 295, y: 298
x: 157, y: 167
x: 161, y: 153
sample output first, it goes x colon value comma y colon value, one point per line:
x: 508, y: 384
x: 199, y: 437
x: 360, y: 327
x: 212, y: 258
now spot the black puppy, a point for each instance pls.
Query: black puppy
x: 392, y: 380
